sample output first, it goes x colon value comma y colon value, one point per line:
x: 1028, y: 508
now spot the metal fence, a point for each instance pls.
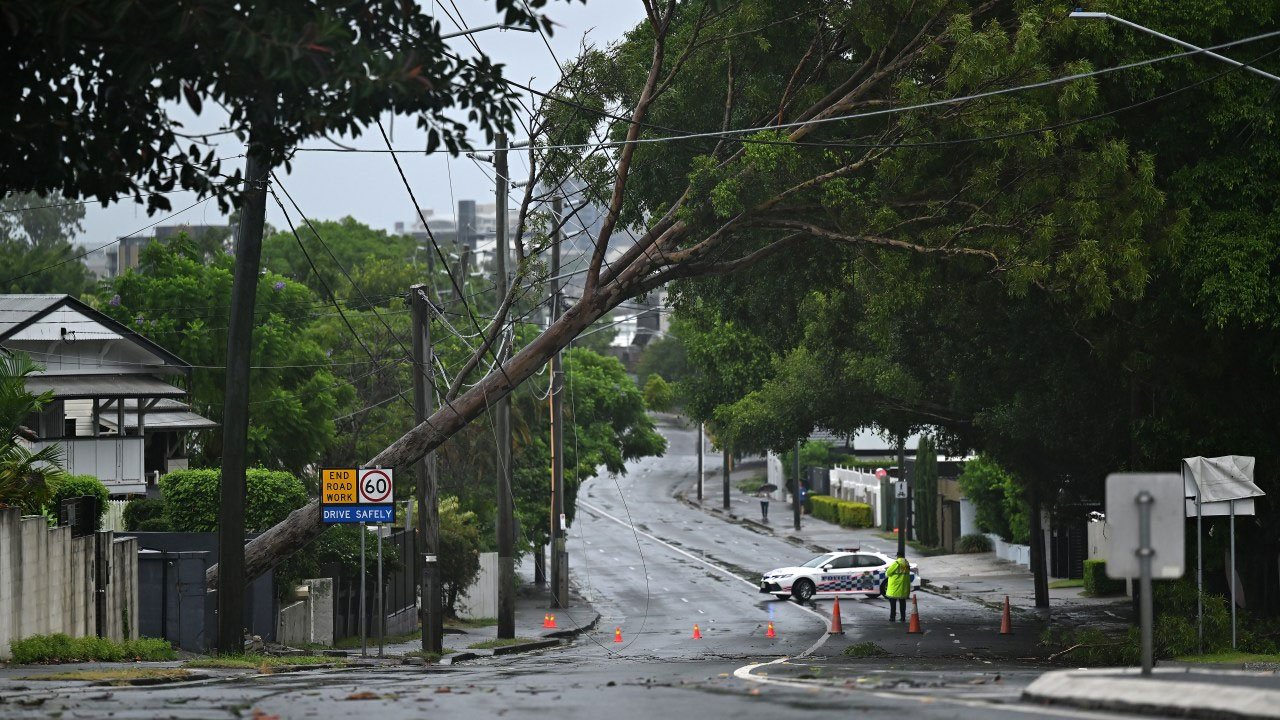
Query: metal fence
x: 400, y: 591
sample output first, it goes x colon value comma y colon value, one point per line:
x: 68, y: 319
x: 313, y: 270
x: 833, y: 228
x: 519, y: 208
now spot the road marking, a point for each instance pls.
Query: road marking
x: 684, y: 600
x: 822, y: 619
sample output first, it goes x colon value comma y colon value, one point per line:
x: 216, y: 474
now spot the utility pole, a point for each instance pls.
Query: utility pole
x: 428, y: 506
x: 506, y: 510
x: 235, y: 417
x: 795, y: 496
x: 726, y: 477
x: 559, y: 548
x: 701, y: 443
x: 902, y: 502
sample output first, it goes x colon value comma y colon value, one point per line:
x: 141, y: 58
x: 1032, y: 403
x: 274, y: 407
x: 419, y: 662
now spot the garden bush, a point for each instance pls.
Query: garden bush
x: 192, y: 500
x: 70, y: 486
x: 841, y: 512
x: 145, y: 515
x: 1096, y: 582
x: 974, y: 543
x: 60, y: 648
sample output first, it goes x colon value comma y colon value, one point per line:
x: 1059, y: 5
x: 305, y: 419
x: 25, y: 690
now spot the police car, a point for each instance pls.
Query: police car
x: 845, y: 572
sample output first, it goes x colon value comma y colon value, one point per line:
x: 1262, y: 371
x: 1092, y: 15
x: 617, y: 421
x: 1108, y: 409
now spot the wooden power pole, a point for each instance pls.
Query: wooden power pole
x: 506, y: 505
x: 559, y: 548
x: 428, y: 503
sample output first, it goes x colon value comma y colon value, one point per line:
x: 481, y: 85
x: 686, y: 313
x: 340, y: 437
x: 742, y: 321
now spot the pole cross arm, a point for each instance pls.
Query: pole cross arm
x: 1175, y: 41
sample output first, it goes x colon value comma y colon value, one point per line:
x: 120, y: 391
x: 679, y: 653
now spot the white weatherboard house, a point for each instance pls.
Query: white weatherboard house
x: 118, y: 411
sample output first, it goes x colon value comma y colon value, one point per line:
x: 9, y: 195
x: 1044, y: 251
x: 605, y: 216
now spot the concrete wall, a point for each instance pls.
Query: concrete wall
x: 47, y: 582
x: 858, y: 486
x: 1020, y: 554
x: 968, y: 517
x: 310, y: 620
x: 774, y: 476
x: 481, y: 599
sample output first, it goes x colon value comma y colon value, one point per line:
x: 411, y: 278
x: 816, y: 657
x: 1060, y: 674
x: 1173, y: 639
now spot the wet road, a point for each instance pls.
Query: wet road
x: 653, y: 567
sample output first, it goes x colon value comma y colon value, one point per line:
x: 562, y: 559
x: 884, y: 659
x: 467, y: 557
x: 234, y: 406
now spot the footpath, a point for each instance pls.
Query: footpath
x: 1201, y: 691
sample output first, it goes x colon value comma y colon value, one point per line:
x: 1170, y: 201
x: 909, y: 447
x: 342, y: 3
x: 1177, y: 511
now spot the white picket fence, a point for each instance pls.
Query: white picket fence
x: 114, y: 518
x: 857, y: 486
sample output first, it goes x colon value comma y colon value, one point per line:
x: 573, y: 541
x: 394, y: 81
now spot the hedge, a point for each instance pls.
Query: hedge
x: 1096, y: 582
x: 841, y: 512
x: 974, y: 543
x: 70, y: 486
x: 191, y: 501
x: 60, y: 648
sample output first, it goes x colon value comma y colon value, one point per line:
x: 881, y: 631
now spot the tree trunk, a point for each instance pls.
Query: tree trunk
x: 1039, y: 566
x: 304, y: 524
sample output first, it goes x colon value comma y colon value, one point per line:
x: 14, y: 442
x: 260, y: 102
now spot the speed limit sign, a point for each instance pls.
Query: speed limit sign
x: 374, y: 485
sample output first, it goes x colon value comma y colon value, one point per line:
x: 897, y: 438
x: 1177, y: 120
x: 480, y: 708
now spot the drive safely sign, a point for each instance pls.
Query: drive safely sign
x: 351, y: 495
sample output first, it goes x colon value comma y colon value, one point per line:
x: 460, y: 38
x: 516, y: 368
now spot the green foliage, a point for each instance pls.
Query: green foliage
x: 658, y: 396
x: 1096, y: 581
x: 27, y: 479
x: 60, y: 648
x: 864, y: 650
x: 376, y: 260
x: 997, y: 499
x: 339, y: 546
x: 146, y: 515
x: 925, y: 492
x: 174, y: 298
x: 35, y: 241
x: 191, y: 498
x: 460, y: 547
x: 841, y: 512
x: 813, y: 453
x: 70, y: 486
x: 974, y: 543
x: 663, y: 356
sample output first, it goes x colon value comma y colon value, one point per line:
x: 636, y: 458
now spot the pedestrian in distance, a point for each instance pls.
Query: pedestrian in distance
x: 764, y: 505
x: 898, y: 575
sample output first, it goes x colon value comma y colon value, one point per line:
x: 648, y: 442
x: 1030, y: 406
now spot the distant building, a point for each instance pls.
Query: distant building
x: 101, y: 262
x: 108, y: 262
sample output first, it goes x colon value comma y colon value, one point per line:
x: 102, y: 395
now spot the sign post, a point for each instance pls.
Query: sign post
x: 1146, y: 512
x: 364, y: 495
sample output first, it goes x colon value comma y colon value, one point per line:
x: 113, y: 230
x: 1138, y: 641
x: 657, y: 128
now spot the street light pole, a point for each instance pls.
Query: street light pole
x: 1174, y: 40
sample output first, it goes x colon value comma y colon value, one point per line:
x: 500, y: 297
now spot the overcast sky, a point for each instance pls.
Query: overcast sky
x: 365, y: 185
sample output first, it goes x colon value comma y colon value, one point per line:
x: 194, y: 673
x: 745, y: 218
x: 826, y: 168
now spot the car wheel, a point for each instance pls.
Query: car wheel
x: 803, y: 590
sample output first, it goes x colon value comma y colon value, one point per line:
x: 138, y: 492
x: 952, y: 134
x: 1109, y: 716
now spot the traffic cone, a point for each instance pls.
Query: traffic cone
x: 697, y: 634
x: 913, y: 627
x: 546, y: 620
x: 770, y: 633
x: 1006, y: 625
x: 617, y: 634
x: 553, y: 623
x: 836, y: 628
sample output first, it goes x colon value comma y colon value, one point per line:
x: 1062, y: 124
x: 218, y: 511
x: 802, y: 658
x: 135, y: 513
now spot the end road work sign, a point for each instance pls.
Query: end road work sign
x: 351, y: 495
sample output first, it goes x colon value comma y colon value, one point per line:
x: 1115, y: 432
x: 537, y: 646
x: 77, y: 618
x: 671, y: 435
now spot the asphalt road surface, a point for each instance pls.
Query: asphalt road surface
x: 653, y: 567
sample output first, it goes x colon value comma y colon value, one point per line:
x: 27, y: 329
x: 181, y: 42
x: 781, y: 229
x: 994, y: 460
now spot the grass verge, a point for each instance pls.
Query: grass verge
x: 751, y: 485
x: 1230, y: 656
x: 500, y: 642
x: 251, y: 662
x: 920, y: 549
x: 1061, y: 584
x: 865, y: 650
x: 60, y: 648
x: 351, y: 643
x: 120, y: 676
x: 470, y: 622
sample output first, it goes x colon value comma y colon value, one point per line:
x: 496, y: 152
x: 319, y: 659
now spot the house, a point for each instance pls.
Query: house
x: 118, y: 409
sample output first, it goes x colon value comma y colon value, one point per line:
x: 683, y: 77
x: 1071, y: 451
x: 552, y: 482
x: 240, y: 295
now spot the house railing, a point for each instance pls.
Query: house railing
x: 110, y: 459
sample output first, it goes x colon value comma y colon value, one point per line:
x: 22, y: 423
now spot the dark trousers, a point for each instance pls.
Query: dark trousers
x: 764, y: 510
x: 894, y: 605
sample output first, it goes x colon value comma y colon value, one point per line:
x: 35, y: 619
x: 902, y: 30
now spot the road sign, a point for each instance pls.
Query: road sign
x: 375, y: 485
x: 900, y: 490
x: 351, y: 495
x: 881, y: 473
x: 1167, y: 524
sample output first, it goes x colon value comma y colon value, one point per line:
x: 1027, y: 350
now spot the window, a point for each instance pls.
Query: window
x: 843, y: 562
x: 867, y: 561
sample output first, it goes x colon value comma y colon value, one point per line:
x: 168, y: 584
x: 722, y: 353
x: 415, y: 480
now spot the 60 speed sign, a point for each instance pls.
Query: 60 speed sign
x: 375, y: 485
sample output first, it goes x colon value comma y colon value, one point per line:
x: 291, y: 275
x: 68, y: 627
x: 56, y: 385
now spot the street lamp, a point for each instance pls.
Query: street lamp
x: 1108, y: 16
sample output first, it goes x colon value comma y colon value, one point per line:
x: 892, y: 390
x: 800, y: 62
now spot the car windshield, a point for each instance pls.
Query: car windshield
x: 820, y: 560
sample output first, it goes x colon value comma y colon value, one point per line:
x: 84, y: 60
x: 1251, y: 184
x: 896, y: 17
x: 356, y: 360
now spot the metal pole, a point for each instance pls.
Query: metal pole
x: 902, y: 501
x: 1199, y: 568
x: 1144, y: 500
x: 726, y: 477
x: 795, y: 496
x: 382, y: 608
x: 364, y: 650
x: 506, y: 510
x: 559, y: 547
x: 428, y: 527
x: 1233, y: 574
x: 701, y: 442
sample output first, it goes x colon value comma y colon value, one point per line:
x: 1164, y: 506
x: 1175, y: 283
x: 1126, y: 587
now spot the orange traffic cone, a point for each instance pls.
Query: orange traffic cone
x: 546, y: 620
x: 697, y: 634
x: 617, y: 634
x: 1006, y: 625
x: 913, y: 627
x: 836, y: 628
x: 770, y: 633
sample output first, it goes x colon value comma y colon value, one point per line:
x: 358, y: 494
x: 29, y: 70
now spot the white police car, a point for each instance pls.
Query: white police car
x: 845, y: 572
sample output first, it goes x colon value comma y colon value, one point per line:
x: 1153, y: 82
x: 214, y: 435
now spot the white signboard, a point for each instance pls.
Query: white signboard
x: 1167, y: 524
x: 374, y: 486
x: 900, y: 489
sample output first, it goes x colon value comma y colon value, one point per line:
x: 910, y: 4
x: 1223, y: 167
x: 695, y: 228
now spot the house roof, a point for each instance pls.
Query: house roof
x: 72, y: 387
x: 18, y: 312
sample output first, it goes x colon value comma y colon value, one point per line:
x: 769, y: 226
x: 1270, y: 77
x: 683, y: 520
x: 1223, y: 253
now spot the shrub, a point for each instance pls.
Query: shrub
x: 61, y: 648
x: 658, y: 394
x: 974, y: 543
x: 192, y: 498
x: 1096, y: 582
x: 145, y: 515
x: 70, y: 486
x: 841, y: 512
